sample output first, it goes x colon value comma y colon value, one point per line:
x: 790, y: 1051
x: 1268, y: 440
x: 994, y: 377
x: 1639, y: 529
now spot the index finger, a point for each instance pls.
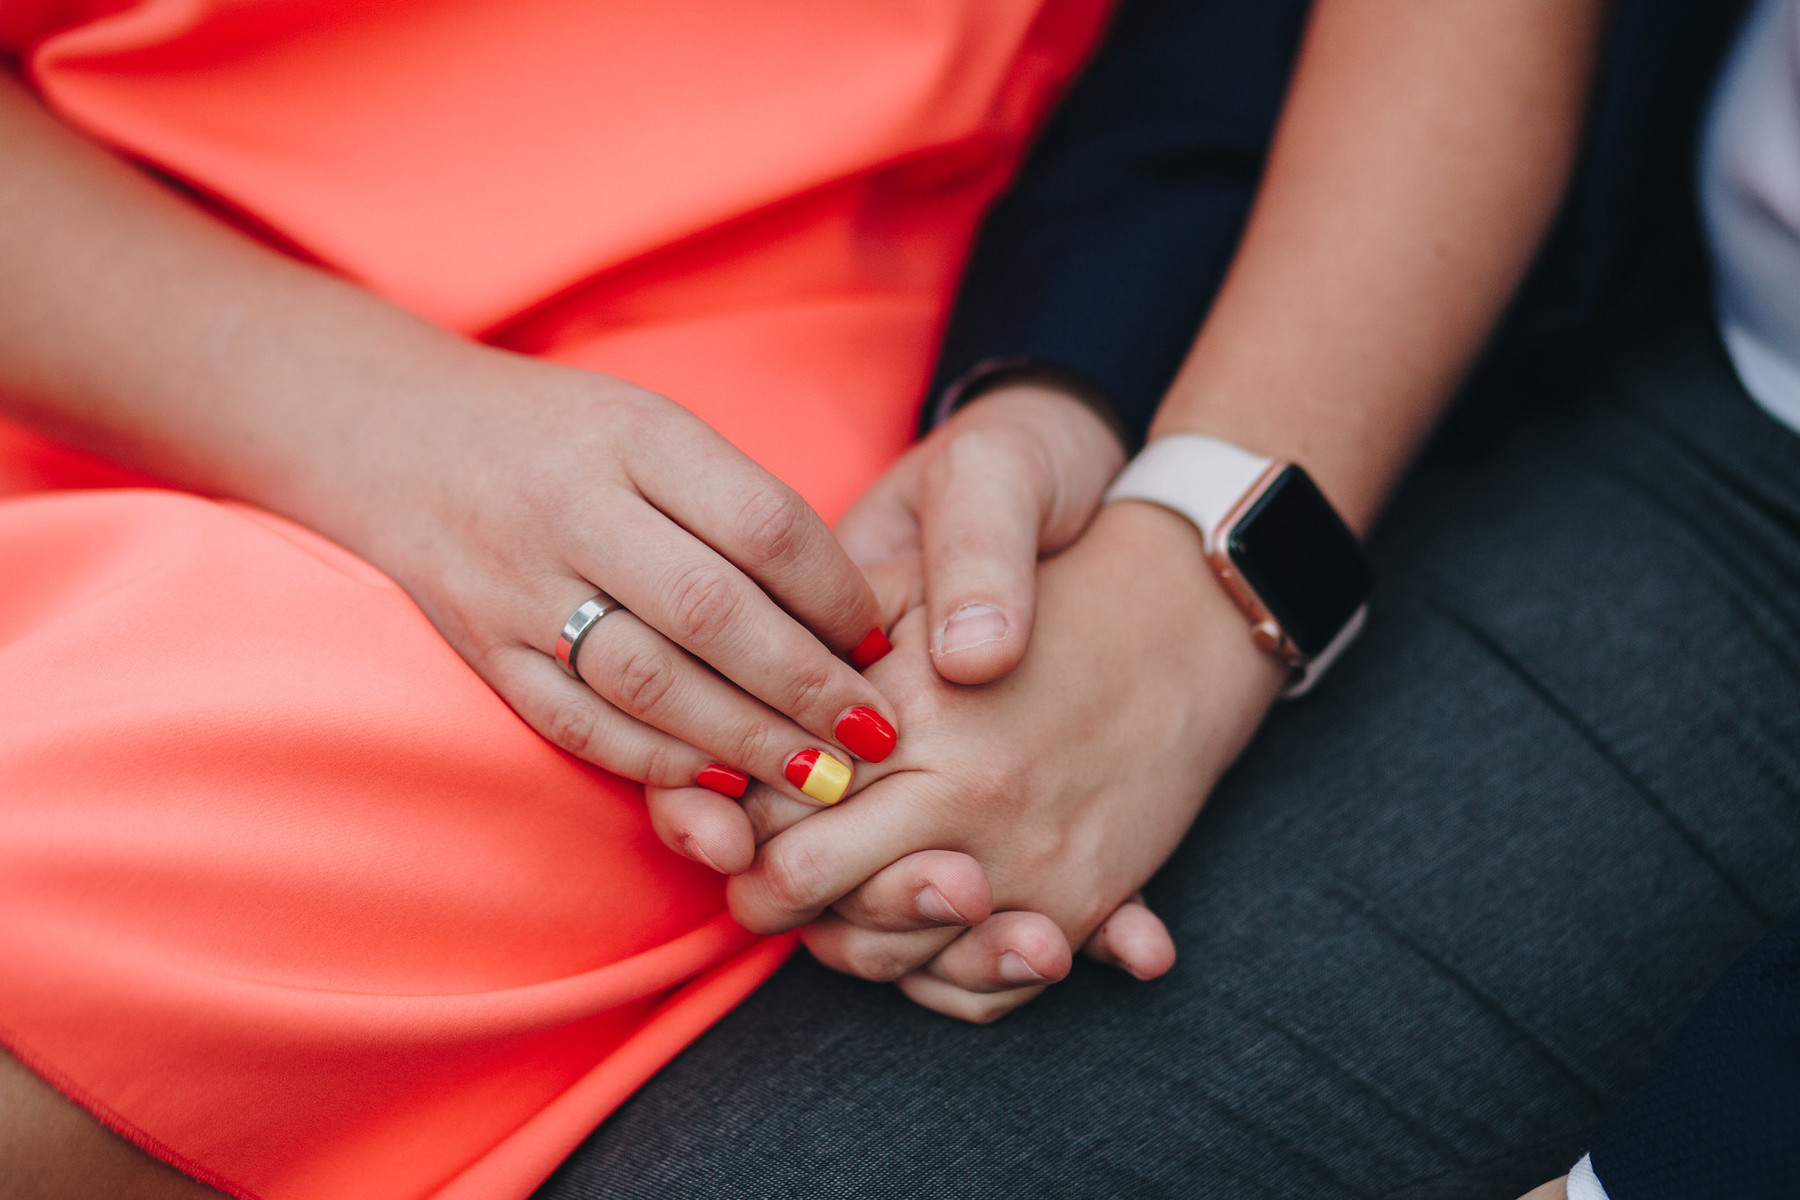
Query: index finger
x: 823, y: 858
x: 765, y: 529
x: 690, y: 594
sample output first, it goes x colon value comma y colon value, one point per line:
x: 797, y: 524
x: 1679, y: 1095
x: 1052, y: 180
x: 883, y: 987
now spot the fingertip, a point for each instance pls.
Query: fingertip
x: 1051, y: 958
x: 747, y: 899
x: 872, y: 649
x: 1034, y: 952
x: 729, y: 852
x: 702, y: 826
x: 1152, y: 963
x: 954, y: 889
x: 978, y: 643
x: 727, y: 781
x: 1135, y: 940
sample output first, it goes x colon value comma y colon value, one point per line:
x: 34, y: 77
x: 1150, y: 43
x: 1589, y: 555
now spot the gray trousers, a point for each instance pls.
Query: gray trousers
x: 1441, y: 917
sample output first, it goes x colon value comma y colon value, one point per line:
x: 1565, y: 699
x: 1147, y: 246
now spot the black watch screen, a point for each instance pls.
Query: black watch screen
x: 1303, y: 562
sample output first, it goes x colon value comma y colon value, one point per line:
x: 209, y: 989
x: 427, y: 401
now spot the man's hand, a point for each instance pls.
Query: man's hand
x: 1013, y: 477
x: 1068, y: 782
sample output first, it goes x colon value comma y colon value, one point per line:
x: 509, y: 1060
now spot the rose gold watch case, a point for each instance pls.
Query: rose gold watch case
x: 1265, y: 630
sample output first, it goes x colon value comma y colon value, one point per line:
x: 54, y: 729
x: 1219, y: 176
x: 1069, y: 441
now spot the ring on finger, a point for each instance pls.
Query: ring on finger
x: 580, y: 623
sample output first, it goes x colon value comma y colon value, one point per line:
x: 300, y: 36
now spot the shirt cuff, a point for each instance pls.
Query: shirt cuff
x: 1583, y: 1183
x: 991, y: 373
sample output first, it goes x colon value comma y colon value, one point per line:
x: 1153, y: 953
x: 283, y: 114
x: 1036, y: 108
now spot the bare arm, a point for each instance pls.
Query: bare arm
x: 1423, y: 152
x: 136, y: 325
x: 133, y: 323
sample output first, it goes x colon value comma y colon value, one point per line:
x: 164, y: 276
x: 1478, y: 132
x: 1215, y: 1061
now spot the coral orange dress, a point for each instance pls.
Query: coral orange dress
x: 287, y: 895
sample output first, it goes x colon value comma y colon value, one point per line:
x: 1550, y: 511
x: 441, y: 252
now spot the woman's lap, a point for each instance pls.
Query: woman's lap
x: 267, y: 845
x: 1440, y: 918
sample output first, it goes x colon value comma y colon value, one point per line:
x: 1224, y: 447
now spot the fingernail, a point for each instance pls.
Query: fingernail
x: 866, y: 733
x: 819, y: 775
x: 697, y: 854
x: 871, y: 650
x: 970, y: 626
x: 727, y: 781
x: 1014, y: 969
x: 935, y: 908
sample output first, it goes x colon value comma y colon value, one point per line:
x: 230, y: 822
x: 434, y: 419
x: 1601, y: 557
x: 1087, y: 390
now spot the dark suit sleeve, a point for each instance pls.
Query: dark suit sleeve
x: 1720, y: 1115
x: 1104, y: 255
x: 1102, y: 259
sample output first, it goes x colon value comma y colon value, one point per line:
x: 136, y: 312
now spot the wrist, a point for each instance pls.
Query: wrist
x: 1034, y: 379
x: 386, y: 444
x: 1286, y: 558
x: 1162, y: 553
x: 1047, y: 406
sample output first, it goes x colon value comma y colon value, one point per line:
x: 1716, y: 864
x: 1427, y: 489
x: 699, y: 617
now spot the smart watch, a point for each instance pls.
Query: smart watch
x: 1281, y: 551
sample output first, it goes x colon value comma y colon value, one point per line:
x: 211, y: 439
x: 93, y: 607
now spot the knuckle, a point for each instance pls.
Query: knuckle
x: 574, y: 726
x: 1045, y: 848
x: 976, y: 453
x: 703, y: 604
x: 641, y: 679
x: 808, y: 689
x: 754, y: 745
x: 875, y: 957
x: 773, y: 526
x: 660, y: 769
x: 793, y: 876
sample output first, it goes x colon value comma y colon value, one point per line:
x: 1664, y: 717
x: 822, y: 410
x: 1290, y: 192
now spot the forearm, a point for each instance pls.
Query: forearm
x: 134, y: 324
x: 1419, y: 161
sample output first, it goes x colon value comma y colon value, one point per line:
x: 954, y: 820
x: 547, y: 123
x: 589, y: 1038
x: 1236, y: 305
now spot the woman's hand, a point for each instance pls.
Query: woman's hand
x: 537, y: 485
x: 1012, y: 477
x: 1069, y: 781
x: 500, y: 491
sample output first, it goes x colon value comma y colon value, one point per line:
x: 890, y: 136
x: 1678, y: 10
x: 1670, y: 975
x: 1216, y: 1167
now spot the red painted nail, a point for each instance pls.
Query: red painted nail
x: 727, y: 781
x: 870, y: 650
x: 799, y: 767
x: 867, y: 734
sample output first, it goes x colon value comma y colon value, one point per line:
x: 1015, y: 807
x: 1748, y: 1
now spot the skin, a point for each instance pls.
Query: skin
x: 1415, y: 170
x: 49, y: 1148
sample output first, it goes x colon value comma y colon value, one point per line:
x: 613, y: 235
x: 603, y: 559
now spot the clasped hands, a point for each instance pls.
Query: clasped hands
x: 1053, y: 754
x: 1067, y: 684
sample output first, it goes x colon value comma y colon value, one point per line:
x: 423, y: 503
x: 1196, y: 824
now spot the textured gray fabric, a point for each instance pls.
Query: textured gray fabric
x: 1443, y: 915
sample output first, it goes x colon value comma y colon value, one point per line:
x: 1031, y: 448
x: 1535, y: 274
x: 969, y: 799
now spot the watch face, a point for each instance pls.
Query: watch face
x: 1302, y: 561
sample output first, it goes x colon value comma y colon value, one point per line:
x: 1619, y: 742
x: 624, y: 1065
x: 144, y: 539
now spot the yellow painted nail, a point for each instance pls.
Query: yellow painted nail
x: 819, y: 775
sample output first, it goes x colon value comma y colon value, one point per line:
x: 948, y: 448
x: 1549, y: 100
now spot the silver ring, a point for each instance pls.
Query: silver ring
x: 580, y: 623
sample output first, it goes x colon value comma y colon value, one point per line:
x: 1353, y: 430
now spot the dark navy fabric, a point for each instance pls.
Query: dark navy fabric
x: 1107, y: 251
x: 1719, y: 1118
x: 1106, y: 254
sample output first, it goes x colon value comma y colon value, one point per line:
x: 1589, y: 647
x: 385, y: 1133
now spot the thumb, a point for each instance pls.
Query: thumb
x: 883, y: 524
x: 983, y: 506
